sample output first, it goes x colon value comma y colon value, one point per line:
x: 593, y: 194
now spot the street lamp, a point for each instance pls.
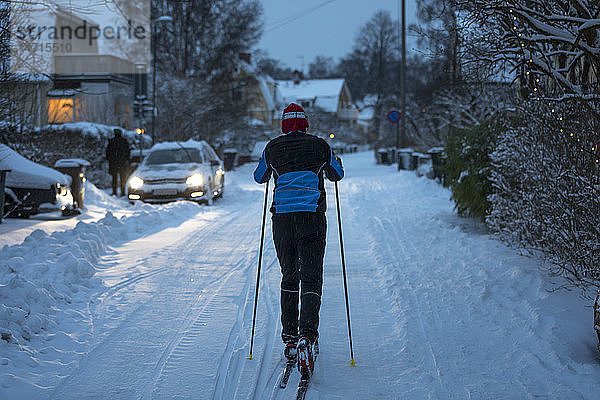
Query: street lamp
x: 162, y: 18
x: 140, y: 132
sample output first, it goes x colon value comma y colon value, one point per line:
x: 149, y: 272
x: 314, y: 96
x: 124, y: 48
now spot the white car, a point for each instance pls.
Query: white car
x: 178, y: 171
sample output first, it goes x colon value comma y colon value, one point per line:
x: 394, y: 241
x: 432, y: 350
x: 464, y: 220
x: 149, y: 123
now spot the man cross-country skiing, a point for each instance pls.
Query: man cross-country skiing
x: 298, y: 161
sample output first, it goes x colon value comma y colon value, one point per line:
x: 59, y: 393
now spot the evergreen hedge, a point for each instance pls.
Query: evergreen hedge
x: 468, y: 168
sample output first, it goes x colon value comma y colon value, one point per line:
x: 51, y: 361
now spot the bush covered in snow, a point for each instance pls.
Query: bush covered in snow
x: 546, y: 181
x: 73, y: 140
x: 468, y: 167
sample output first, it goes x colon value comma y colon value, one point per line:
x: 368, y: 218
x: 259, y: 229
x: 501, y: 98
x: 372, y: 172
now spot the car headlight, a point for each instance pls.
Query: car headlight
x: 195, y: 180
x: 135, y: 182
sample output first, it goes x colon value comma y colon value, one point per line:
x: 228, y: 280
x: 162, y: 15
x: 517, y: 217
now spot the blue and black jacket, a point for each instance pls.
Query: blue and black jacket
x: 298, y: 161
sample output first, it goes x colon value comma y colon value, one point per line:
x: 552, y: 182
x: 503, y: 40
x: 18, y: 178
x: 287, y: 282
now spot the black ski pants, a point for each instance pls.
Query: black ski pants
x: 300, y: 244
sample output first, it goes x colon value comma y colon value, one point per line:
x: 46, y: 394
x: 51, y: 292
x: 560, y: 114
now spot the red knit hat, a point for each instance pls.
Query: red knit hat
x: 294, y: 119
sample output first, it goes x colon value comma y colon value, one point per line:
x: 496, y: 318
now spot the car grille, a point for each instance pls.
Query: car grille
x: 164, y: 181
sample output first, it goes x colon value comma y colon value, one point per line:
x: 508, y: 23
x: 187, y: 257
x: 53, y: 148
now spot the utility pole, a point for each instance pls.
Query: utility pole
x: 403, y: 82
x: 162, y: 18
x: 397, y: 144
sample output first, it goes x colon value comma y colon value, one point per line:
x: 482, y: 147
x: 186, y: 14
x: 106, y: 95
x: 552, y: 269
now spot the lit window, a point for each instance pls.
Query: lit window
x: 60, y: 111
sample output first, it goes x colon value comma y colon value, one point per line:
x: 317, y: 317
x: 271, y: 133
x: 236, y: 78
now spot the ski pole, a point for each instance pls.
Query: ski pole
x: 339, y: 215
x: 262, y: 240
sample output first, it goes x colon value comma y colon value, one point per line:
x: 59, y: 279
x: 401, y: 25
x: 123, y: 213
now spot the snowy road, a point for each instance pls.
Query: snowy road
x: 439, y: 309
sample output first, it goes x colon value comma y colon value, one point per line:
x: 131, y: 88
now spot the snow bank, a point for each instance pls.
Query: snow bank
x: 46, y: 283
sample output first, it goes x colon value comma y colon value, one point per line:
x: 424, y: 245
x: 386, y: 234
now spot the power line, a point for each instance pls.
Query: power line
x: 296, y: 16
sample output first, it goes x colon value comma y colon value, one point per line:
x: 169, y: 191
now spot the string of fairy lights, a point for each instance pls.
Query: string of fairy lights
x: 537, y: 89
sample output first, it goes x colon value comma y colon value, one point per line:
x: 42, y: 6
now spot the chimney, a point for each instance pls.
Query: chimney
x: 246, y: 57
x: 297, y: 77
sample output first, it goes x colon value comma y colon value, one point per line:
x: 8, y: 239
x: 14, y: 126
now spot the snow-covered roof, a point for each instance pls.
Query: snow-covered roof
x: 366, y: 114
x: 27, y: 174
x: 263, y: 84
x: 324, y: 92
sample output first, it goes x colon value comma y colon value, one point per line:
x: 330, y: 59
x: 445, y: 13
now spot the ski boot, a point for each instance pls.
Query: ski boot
x: 306, y: 364
x: 290, y: 352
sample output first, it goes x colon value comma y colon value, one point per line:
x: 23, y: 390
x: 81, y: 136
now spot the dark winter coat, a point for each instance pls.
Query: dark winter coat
x: 117, y: 154
x: 298, y: 161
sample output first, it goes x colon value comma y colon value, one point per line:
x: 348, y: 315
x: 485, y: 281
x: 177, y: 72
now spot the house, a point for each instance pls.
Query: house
x: 258, y: 91
x: 332, y: 96
x: 89, y: 86
x: 75, y: 82
x: 90, y: 94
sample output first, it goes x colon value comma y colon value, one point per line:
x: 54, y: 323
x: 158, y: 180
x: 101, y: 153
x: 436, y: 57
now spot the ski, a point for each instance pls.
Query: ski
x: 302, y: 388
x: 289, y: 366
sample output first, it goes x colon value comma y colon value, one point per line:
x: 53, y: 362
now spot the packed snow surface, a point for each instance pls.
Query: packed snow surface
x: 155, y: 302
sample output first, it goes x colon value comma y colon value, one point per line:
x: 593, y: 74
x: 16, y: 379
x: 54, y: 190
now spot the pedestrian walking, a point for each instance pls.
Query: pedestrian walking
x: 298, y: 161
x: 117, y: 154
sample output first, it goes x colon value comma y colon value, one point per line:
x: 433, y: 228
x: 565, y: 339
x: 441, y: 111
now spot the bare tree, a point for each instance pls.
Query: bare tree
x: 197, y: 54
x: 552, y: 47
x: 440, y: 37
x: 371, y: 68
x: 274, y: 68
x: 321, y: 67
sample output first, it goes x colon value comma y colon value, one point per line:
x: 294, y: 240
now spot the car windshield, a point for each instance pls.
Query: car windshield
x: 174, y: 156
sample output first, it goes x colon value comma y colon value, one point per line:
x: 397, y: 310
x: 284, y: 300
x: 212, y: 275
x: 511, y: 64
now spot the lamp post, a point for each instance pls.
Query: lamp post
x: 162, y: 18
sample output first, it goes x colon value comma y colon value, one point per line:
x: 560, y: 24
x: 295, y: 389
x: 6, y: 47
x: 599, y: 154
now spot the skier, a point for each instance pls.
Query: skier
x: 117, y: 154
x: 298, y: 161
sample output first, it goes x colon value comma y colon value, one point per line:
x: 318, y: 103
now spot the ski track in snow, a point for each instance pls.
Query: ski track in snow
x: 439, y: 309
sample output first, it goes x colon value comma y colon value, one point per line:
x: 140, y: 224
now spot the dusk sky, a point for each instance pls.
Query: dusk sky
x: 295, y: 32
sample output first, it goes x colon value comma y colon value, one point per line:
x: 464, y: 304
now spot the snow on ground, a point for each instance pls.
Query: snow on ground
x: 47, y: 279
x: 156, y: 302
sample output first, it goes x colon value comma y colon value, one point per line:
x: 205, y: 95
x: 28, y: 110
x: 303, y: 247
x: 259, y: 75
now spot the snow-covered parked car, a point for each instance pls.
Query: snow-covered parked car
x: 32, y: 188
x: 178, y: 171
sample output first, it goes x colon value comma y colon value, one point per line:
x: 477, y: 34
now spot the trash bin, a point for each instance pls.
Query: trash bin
x: 414, y: 161
x: 3, y: 173
x: 437, y: 161
x: 404, y: 158
x: 393, y: 152
x: 229, y: 156
x: 75, y: 168
x: 383, y: 157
